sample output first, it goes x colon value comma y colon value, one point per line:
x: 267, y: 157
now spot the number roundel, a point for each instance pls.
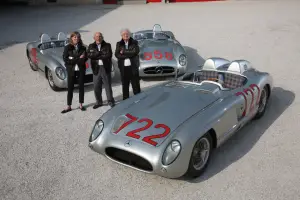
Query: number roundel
x: 147, y: 124
x: 254, y: 98
x: 147, y: 56
x: 158, y: 55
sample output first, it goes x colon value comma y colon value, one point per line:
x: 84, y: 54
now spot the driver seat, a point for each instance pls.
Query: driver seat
x: 209, y: 64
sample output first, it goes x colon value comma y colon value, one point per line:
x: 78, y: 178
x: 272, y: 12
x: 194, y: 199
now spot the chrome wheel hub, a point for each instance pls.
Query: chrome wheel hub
x: 50, y: 78
x: 263, y: 101
x: 201, y: 153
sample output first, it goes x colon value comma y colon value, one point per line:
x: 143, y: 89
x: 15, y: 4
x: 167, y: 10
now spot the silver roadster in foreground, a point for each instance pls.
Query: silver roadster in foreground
x: 160, y: 53
x: 171, y: 129
x: 45, y: 56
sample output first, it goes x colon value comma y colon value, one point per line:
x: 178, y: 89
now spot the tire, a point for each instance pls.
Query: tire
x: 195, y: 171
x: 263, y: 102
x: 50, y: 80
x: 31, y: 64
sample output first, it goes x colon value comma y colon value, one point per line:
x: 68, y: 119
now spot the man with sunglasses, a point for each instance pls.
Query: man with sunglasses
x: 100, y: 54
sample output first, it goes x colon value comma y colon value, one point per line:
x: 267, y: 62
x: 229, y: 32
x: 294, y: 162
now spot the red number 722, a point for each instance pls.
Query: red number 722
x: 149, y: 123
x: 245, y: 93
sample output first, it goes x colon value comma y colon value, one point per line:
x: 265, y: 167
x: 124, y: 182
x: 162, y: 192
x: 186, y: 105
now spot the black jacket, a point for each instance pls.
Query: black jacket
x: 71, y: 57
x: 132, y: 53
x: 105, y: 54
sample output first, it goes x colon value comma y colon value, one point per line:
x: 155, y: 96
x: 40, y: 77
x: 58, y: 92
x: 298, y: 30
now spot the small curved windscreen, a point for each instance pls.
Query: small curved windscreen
x: 52, y: 44
x: 151, y: 35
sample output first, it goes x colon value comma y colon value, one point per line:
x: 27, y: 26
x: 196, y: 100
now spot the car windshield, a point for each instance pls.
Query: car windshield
x: 151, y: 35
x: 52, y: 44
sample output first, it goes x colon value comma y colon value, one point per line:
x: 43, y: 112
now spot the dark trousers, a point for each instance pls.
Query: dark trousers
x: 127, y: 77
x: 71, y: 82
x: 102, y: 77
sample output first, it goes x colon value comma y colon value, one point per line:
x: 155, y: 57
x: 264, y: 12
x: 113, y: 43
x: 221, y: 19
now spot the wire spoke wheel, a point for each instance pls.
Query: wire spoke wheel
x: 201, y: 153
x: 50, y: 78
x: 263, y: 101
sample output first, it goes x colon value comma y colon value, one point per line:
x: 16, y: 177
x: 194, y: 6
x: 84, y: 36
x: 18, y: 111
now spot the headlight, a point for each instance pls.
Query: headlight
x: 171, y: 152
x: 99, y: 125
x: 182, y: 59
x: 60, y: 72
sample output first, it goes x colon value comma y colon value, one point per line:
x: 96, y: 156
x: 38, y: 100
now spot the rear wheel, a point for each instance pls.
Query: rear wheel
x: 200, y: 156
x: 50, y: 80
x: 263, y: 102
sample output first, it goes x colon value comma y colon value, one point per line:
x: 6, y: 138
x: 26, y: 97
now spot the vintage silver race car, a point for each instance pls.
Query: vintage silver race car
x: 45, y: 56
x: 171, y: 129
x: 160, y: 53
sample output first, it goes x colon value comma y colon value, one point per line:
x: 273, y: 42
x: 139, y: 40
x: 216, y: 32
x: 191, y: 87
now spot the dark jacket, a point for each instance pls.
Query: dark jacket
x: 132, y: 53
x: 71, y: 57
x: 105, y: 54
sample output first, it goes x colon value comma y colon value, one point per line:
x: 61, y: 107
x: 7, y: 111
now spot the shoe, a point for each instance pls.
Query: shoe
x: 66, y: 110
x: 82, y: 108
x: 111, y: 104
x: 97, y: 106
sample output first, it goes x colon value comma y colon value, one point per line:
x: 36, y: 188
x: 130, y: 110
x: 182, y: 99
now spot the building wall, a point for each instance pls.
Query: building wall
x: 63, y: 2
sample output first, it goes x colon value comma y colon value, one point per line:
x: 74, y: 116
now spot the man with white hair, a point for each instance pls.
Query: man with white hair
x: 127, y: 53
x: 100, y: 54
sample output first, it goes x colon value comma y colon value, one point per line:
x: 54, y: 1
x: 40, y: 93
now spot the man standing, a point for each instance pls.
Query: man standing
x: 127, y: 53
x: 100, y: 54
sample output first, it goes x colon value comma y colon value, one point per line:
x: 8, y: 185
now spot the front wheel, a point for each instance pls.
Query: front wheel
x: 200, y: 156
x: 51, y: 81
x: 263, y: 101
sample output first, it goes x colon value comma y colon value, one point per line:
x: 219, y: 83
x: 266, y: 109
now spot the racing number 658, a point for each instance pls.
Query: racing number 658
x: 157, y: 55
x: 149, y: 123
x: 250, y: 90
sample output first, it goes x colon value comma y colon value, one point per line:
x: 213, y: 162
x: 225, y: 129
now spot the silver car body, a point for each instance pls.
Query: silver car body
x: 182, y: 110
x: 45, y: 56
x: 160, y: 53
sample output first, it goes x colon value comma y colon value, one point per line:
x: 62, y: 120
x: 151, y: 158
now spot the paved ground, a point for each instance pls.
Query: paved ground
x: 44, y: 154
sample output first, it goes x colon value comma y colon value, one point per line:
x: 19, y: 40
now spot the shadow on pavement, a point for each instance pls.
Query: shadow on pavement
x: 31, y: 21
x: 119, y: 98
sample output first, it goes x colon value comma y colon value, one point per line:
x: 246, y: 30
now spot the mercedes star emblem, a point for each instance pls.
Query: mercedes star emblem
x: 128, y: 143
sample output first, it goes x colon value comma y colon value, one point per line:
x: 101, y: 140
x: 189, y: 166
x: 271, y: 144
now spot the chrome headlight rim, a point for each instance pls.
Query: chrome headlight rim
x: 182, y: 59
x: 57, y: 69
x: 168, y: 148
x: 97, y: 130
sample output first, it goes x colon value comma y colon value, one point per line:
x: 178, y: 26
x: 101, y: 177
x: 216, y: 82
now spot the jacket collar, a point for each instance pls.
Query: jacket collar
x: 102, y: 43
x: 129, y: 41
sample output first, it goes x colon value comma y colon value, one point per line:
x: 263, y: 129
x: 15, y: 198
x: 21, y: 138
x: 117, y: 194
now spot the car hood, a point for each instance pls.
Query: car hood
x: 166, y: 105
x: 162, y: 46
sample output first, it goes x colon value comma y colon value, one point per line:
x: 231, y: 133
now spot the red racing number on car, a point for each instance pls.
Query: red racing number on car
x: 248, y: 93
x: 148, y: 124
x: 157, y: 55
x: 34, y: 55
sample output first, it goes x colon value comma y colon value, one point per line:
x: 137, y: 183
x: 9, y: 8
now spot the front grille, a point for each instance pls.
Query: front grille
x: 128, y: 158
x: 87, y: 78
x: 159, y: 70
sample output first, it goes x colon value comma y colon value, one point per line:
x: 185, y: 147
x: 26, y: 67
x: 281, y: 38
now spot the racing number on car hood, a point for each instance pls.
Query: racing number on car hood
x: 165, y: 130
x: 158, y: 55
